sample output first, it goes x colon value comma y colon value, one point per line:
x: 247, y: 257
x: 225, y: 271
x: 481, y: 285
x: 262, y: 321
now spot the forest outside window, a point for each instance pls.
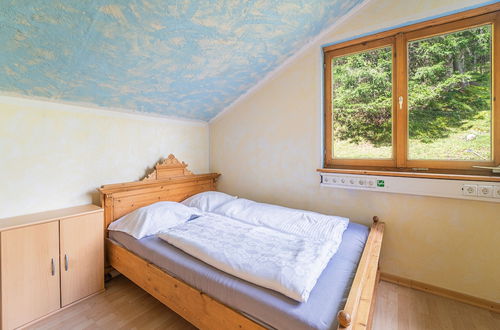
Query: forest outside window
x: 415, y: 100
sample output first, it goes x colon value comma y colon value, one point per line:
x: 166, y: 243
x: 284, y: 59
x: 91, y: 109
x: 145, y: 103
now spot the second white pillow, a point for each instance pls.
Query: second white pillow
x: 299, y: 222
x: 208, y: 201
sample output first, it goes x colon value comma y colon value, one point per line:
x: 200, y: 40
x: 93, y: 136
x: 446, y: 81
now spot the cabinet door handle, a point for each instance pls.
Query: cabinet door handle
x: 52, y: 267
x: 66, y: 262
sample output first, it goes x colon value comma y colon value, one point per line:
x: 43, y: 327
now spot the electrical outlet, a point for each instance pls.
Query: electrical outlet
x: 496, y: 191
x: 485, y: 191
x: 329, y: 179
x: 469, y: 190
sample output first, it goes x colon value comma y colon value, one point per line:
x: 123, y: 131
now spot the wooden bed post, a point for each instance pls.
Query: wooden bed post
x: 358, y: 309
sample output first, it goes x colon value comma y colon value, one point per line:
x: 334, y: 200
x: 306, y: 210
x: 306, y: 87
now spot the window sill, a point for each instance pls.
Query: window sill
x: 445, y: 176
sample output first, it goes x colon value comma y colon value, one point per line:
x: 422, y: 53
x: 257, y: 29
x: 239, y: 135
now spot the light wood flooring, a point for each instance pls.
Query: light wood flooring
x: 125, y: 306
x: 399, y: 307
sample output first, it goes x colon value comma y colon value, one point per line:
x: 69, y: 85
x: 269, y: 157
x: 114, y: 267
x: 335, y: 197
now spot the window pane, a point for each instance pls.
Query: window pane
x: 449, y: 96
x: 362, y: 105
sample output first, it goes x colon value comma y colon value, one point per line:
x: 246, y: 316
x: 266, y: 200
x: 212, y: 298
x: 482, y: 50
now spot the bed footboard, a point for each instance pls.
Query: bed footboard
x: 358, y: 310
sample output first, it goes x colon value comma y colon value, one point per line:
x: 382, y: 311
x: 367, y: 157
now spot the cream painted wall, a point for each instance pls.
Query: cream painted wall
x: 54, y: 156
x: 268, y: 145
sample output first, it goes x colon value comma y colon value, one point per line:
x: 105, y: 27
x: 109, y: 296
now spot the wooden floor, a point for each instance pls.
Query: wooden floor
x: 402, y: 308
x: 126, y: 306
x: 122, y: 306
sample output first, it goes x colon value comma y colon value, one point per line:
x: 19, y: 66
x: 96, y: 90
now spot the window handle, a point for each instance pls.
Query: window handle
x: 66, y: 262
x: 52, y: 267
x: 400, y: 103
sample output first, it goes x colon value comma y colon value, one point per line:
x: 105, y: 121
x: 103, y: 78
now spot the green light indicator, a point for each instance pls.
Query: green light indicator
x: 380, y: 183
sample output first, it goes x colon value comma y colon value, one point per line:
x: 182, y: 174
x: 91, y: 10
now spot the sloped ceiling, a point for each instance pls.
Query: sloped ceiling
x: 188, y: 59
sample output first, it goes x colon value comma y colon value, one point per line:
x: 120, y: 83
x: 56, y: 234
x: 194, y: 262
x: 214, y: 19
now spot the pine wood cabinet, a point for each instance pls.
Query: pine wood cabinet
x: 82, y: 257
x: 30, y: 273
x: 48, y: 261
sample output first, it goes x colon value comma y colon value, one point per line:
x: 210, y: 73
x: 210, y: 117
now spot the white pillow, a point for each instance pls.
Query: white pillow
x: 208, y: 201
x: 154, y: 219
x: 299, y: 222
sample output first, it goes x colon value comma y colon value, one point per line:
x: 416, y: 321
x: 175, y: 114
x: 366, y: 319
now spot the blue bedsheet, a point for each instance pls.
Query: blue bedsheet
x: 269, y: 307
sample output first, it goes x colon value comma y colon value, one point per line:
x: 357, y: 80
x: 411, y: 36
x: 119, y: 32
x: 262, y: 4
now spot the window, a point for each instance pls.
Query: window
x: 362, y: 99
x: 415, y: 99
x: 449, y: 96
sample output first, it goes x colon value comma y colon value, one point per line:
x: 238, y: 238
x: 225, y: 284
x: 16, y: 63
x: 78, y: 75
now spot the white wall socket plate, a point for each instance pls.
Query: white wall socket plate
x: 485, y: 191
x: 496, y: 191
x: 469, y: 189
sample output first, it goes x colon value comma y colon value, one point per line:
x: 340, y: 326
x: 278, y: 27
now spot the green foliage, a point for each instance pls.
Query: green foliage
x: 362, y: 96
x: 449, y: 83
x: 455, y: 146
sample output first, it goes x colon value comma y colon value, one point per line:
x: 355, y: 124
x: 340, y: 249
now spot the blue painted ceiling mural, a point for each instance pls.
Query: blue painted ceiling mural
x: 188, y: 59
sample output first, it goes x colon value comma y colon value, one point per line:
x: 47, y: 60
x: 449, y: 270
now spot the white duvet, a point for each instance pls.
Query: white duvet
x: 284, y: 262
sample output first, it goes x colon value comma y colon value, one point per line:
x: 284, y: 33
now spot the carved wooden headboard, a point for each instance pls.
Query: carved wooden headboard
x: 169, y: 181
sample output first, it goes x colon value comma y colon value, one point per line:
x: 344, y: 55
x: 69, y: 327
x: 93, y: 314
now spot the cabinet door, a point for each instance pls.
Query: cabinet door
x: 30, y: 273
x: 82, y: 257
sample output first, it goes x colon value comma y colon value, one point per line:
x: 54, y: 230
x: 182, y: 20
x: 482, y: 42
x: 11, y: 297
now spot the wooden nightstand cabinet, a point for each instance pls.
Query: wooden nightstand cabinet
x: 48, y: 261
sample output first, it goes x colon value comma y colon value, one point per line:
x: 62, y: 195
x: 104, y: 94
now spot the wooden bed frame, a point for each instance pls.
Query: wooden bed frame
x: 172, y: 181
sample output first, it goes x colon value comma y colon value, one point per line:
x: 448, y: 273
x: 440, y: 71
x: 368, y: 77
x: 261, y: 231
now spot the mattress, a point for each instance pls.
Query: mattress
x: 268, y: 307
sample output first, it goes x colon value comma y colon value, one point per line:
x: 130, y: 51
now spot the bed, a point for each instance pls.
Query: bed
x: 344, y: 296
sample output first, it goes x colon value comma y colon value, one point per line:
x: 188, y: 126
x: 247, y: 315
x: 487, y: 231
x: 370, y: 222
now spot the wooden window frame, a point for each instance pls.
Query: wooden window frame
x: 398, y: 39
x: 379, y: 43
